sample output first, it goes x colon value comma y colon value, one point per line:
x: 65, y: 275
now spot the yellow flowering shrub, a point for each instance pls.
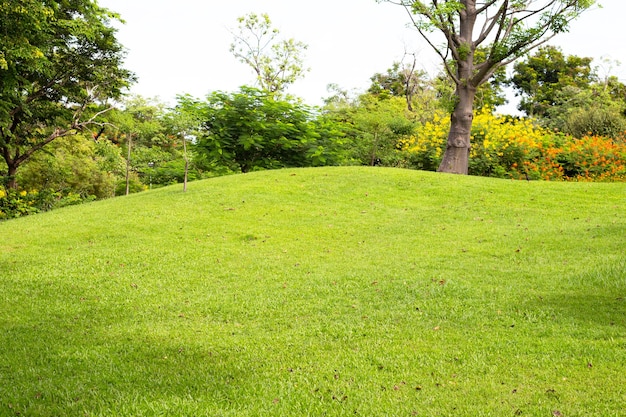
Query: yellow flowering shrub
x: 425, y: 147
x: 507, y: 147
x: 16, y: 204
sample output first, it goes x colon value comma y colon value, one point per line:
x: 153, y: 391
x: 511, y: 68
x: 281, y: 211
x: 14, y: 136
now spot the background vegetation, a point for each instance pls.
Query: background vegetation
x: 572, y: 126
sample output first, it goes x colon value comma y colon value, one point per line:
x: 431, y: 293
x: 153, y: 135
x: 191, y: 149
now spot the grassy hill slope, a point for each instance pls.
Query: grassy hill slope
x: 328, y: 291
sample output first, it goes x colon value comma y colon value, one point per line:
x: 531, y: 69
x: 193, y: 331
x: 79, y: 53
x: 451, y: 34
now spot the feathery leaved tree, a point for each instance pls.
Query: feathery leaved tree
x: 506, y: 29
x: 277, y: 63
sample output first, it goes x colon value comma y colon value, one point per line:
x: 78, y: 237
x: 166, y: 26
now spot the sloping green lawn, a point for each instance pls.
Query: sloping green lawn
x: 320, y: 292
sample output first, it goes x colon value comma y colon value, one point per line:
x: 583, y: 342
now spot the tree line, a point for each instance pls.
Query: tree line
x: 67, y: 133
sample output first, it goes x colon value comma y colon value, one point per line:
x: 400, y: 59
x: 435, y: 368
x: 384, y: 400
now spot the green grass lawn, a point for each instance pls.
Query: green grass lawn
x: 320, y: 292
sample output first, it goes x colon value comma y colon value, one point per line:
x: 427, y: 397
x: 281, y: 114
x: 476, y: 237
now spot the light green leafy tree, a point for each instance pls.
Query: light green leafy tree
x: 73, y: 165
x: 277, y: 63
x: 506, y: 29
x: 403, y: 80
x: 374, y: 123
x: 153, y: 142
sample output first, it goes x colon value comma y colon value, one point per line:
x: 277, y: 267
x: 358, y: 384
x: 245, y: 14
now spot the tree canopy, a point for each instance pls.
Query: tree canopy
x: 565, y: 93
x: 539, y: 78
x: 59, y: 62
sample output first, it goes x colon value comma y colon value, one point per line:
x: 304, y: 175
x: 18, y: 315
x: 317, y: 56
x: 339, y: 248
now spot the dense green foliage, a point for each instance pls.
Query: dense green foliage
x: 540, y: 78
x: 254, y: 129
x: 566, y: 93
x: 59, y: 61
x: 325, y: 291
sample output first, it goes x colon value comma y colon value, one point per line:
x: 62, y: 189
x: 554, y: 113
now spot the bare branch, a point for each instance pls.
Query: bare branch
x: 487, y: 5
x: 497, y: 19
x: 444, y: 57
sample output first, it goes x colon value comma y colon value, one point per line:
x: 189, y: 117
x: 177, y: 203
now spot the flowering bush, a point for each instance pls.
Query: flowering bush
x: 507, y: 147
x: 591, y: 158
x: 15, y: 204
x: 500, y: 143
x: 425, y: 147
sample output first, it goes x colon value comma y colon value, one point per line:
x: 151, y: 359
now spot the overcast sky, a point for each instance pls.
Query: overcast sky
x: 182, y: 46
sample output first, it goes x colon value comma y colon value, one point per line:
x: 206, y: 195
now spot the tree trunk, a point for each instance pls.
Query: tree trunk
x: 186, y: 164
x: 456, y: 157
x: 374, y: 148
x: 130, y: 144
x: 11, y: 182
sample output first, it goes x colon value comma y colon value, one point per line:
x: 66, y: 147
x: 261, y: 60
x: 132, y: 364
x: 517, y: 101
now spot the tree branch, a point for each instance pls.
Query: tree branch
x: 444, y: 57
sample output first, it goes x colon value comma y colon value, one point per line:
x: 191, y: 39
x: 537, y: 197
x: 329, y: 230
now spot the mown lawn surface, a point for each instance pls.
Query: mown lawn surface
x: 320, y: 292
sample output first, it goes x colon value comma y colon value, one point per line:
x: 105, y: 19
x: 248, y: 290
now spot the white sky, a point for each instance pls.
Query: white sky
x: 182, y: 46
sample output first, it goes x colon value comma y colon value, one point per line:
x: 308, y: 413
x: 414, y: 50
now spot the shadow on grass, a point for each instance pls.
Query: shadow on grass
x: 595, y: 309
x: 95, y: 360
x: 596, y: 297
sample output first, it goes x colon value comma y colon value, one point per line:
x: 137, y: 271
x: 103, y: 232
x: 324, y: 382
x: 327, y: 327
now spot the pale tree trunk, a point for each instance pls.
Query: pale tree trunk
x: 130, y: 144
x: 456, y: 157
x: 186, y: 164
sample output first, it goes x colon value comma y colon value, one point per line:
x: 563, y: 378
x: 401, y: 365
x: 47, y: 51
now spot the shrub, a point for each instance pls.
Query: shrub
x: 16, y: 204
x: 591, y: 158
x: 595, y: 121
x: 425, y: 147
x: 507, y: 147
x: 501, y: 143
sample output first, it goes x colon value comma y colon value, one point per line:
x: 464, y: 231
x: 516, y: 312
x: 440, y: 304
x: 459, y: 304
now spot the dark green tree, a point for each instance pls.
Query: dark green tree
x: 565, y: 93
x: 59, y: 63
x: 540, y: 78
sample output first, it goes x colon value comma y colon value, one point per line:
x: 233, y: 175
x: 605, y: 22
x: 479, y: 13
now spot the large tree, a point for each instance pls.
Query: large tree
x: 59, y: 62
x: 506, y: 29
